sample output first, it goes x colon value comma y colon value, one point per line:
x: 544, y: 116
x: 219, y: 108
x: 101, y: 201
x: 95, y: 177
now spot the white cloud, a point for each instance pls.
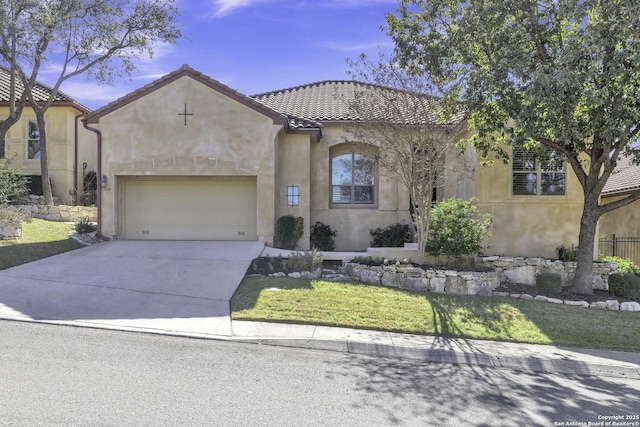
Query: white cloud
x: 225, y: 7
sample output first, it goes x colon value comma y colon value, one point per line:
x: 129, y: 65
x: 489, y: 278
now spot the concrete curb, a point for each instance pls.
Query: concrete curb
x: 526, y: 364
x: 491, y: 359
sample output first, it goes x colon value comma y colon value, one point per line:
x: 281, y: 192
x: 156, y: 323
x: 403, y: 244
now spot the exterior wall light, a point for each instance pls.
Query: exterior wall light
x: 103, y: 181
x: 293, y: 195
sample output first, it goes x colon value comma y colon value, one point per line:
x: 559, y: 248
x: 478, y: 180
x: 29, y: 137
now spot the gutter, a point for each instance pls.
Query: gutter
x: 98, y: 177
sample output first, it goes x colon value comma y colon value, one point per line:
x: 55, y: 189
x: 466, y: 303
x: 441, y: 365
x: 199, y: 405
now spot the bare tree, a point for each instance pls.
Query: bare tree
x: 397, y: 120
x: 97, y: 37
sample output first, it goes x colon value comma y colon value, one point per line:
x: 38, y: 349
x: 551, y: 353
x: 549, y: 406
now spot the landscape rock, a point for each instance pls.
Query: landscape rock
x: 630, y: 306
x: 612, y: 304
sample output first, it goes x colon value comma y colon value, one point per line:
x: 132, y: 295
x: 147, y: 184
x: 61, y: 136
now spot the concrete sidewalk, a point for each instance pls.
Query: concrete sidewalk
x: 523, y: 357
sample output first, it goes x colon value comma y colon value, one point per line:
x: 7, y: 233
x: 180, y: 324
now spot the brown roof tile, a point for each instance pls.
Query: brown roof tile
x: 625, y: 177
x: 329, y: 101
x: 41, y: 92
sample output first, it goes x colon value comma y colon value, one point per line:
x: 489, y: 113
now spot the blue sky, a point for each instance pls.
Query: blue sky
x: 256, y: 46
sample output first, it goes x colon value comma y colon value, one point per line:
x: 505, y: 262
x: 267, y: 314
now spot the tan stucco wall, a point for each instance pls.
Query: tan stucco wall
x: 622, y: 221
x: 61, y: 134
x: 352, y: 225
x: 294, y: 168
x: 222, y: 138
x: 527, y: 225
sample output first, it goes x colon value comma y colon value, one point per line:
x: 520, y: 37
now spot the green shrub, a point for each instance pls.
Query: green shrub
x: 625, y: 286
x: 391, y: 236
x: 549, y: 283
x: 289, y: 229
x: 305, y: 261
x: 455, y: 228
x: 13, y: 182
x: 13, y: 215
x: 624, y: 265
x: 84, y: 226
x: 566, y: 253
x: 322, y: 237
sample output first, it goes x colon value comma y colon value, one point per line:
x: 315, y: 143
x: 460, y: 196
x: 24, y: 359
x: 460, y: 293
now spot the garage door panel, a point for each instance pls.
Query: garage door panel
x: 189, y: 209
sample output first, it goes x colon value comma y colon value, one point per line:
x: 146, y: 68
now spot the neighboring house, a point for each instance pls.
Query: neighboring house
x: 626, y: 220
x: 187, y: 157
x: 70, y: 146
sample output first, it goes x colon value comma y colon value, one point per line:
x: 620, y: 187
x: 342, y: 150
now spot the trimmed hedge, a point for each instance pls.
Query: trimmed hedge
x: 625, y: 286
x: 391, y: 236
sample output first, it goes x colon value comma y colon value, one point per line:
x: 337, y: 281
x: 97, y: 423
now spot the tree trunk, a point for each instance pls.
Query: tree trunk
x: 44, y: 162
x: 583, y: 281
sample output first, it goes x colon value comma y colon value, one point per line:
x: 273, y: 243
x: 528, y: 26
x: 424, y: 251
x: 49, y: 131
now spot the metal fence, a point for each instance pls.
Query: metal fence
x: 622, y: 246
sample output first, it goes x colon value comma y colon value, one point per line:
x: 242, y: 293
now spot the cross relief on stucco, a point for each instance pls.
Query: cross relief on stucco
x: 199, y: 163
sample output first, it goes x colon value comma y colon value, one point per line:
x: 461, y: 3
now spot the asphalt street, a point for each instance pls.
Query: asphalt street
x: 66, y: 376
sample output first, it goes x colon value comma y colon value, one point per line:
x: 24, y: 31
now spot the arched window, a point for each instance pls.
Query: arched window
x: 352, y: 179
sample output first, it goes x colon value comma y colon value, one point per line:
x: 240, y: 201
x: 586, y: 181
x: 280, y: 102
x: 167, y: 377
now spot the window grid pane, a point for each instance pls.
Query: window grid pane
x: 552, y: 184
x: 525, y: 183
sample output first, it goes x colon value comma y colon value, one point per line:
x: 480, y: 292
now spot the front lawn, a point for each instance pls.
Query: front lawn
x: 40, y: 239
x: 355, y: 305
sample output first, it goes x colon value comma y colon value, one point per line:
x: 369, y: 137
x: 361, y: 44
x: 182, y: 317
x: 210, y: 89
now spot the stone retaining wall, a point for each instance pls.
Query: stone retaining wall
x: 524, y: 270
x: 432, y: 280
x: 63, y: 213
x: 484, y: 283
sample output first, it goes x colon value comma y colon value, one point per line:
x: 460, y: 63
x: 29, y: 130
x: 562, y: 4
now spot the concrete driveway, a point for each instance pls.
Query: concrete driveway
x: 170, y: 287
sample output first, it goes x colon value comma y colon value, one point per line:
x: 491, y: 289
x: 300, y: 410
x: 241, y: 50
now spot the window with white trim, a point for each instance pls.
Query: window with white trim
x: 534, y: 174
x: 352, y: 179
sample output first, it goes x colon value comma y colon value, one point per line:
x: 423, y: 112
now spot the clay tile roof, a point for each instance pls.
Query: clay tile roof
x: 328, y: 101
x: 625, y: 177
x: 41, y: 91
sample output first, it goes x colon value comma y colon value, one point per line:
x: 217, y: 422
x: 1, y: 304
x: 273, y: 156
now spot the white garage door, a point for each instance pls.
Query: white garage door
x: 189, y: 208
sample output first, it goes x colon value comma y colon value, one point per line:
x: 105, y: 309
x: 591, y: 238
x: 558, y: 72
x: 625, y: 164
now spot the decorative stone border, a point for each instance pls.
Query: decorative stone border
x: 602, y: 305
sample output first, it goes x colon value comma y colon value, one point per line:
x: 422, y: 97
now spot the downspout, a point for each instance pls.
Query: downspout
x: 98, y: 177
x: 75, y: 162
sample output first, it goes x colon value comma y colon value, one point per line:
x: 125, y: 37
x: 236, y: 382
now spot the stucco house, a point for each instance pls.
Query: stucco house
x: 71, y: 148
x: 186, y: 157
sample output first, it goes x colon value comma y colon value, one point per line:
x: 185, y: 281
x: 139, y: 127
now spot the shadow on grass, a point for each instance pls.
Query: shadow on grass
x: 12, y: 255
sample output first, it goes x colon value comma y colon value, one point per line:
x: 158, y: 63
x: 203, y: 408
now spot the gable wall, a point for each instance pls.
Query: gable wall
x: 222, y: 138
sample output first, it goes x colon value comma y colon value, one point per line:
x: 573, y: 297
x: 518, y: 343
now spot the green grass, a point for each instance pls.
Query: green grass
x: 364, y: 306
x: 40, y: 239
